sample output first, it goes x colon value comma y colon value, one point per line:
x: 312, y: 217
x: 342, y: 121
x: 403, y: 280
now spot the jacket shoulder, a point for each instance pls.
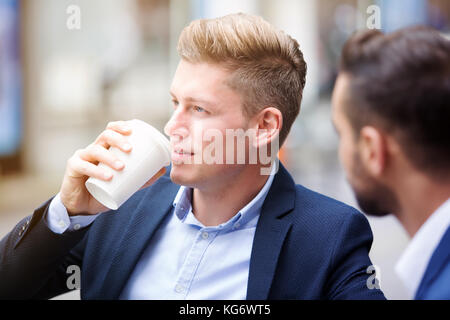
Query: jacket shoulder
x: 321, y: 209
x: 324, y: 223
x: 326, y: 251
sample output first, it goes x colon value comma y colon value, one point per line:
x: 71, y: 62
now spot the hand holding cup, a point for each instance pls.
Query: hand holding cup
x: 126, y: 157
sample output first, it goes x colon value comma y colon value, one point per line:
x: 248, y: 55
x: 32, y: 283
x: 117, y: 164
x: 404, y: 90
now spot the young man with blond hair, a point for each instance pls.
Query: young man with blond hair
x: 220, y: 230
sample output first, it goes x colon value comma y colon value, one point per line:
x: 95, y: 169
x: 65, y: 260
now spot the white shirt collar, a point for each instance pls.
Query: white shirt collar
x: 414, y: 260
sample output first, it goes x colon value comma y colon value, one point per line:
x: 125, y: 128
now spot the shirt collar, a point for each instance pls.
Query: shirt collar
x: 244, y: 217
x: 414, y: 260
x: 182, y: 202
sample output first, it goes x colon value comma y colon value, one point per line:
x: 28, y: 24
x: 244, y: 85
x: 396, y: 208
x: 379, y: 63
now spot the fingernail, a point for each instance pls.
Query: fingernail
x: 118, y: 164
x: 107, y: 175
x: 127, y: 146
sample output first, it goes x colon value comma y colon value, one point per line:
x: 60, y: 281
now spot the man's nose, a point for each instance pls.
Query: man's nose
x: 177, y: 127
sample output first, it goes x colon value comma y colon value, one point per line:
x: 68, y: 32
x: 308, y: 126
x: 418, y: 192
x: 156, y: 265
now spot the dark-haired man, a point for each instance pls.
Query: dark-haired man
x: 391, y: 108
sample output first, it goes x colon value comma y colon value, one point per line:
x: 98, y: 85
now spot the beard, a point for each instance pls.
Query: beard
x: 373, y: 197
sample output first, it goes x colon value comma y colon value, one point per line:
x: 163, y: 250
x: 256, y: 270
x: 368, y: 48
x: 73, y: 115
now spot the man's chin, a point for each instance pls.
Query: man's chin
x: 373, y: 207
x: 175, y: 175
x: 181, y: 174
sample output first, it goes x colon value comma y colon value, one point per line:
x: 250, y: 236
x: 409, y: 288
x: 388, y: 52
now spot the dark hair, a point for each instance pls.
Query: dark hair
x: 401, y: 82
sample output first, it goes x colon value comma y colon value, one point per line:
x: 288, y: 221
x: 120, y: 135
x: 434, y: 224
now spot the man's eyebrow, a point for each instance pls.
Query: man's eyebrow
x: 192, y: 99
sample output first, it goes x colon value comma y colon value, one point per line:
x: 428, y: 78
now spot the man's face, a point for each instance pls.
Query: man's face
x: 373, y: 197
x: 202, y: 102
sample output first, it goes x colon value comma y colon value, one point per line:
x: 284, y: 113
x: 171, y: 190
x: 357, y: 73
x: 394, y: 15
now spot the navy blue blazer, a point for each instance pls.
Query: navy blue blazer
x: 435, y: 284
x: 306, y: 246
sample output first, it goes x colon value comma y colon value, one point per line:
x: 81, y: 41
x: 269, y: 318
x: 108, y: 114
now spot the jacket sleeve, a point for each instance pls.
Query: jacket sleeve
x: 34, y: 260
x: 352, y: 275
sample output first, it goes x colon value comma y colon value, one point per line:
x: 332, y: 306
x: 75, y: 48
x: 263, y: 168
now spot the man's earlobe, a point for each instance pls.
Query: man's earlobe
x: 372, y: 147
x: 265, y: 137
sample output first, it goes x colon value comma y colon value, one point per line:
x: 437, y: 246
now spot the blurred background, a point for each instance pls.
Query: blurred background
x: 68, y: 67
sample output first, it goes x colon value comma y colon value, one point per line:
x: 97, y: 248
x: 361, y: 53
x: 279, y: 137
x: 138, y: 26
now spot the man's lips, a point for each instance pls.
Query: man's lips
x: 179, y: 154
x: 182, y: 151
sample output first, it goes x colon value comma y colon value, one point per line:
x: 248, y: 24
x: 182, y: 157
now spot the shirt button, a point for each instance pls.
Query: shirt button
x: 179, y: 288
x: 61, y: 224
x: 205, y: 235
x: 77, y: 226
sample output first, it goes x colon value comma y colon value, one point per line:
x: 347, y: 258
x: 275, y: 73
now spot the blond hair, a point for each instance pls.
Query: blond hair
x: 267, y: 67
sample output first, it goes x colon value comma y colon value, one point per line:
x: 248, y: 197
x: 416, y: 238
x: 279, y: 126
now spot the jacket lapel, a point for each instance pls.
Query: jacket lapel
x: 436, y: 262
x: 155, y: 204
x: 270, y: 234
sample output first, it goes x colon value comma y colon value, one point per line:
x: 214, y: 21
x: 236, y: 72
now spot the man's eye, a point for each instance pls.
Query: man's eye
x: 199, y: 109
x: 175, y: 103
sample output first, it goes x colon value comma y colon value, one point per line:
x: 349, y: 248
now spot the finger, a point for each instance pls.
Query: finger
x: 96, y: 153
x: 119, y: 126
x: 79, y: 167
x: 158, y: 175
x: 111, y: 138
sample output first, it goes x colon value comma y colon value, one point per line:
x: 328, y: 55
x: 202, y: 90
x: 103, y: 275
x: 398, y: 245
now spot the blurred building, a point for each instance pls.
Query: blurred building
x: 68, y: 67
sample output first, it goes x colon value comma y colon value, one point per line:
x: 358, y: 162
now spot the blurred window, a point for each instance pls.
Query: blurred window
x: 10, y: 86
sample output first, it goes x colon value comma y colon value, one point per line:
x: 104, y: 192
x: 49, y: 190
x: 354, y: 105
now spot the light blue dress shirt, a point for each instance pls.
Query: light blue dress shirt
x: 185, y: 259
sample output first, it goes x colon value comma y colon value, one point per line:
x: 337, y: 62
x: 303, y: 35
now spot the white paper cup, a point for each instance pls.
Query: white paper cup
x: 150, y: 153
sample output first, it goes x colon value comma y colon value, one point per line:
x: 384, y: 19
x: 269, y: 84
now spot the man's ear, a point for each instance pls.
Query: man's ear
x: 373, y: 149
x: 267, y: 125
